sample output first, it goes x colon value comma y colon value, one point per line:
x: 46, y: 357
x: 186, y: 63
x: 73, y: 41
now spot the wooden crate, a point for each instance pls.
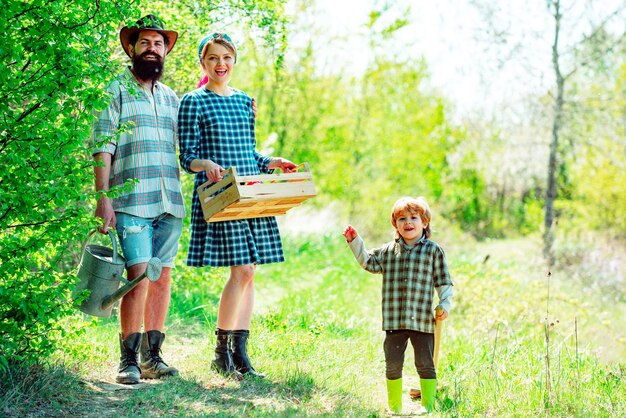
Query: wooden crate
x: 244, y: 197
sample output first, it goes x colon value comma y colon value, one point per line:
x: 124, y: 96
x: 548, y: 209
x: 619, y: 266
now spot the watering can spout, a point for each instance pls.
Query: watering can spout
x: 153, y: 272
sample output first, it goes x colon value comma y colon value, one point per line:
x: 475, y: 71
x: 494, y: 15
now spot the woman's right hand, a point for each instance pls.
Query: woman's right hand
x: 213, y: 171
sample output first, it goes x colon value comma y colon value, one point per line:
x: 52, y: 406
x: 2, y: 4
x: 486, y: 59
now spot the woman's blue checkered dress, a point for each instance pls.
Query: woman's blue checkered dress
x: 221, y: 129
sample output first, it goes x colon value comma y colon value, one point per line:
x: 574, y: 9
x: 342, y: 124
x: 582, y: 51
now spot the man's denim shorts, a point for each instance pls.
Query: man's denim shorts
x: 144, y: 238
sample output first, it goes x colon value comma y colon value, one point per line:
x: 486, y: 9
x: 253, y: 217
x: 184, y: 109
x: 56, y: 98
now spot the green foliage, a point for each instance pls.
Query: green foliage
x: 195, y: 292
x: 55, y: 67
x: 598, y: 191
x: 591, y: 156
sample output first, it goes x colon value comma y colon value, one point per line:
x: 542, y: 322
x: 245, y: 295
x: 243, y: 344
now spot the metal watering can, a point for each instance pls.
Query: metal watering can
x: 100, y: 272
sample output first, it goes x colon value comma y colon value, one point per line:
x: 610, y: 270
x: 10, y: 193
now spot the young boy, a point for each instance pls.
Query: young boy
x: 412, y: 266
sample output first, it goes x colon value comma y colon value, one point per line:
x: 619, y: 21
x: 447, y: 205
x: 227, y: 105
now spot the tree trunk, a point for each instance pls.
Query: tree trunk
x: 551, y: 192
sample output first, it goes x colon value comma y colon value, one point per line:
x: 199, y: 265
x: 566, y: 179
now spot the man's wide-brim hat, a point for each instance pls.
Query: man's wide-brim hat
x: 149, y: 22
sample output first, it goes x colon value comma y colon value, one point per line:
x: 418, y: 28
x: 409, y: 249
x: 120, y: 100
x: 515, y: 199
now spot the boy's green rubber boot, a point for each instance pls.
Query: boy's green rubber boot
x: 394, y: 395
x: 429, y: 390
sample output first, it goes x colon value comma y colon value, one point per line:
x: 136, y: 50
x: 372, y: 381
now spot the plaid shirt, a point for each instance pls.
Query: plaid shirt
x: 410, y: 275
x: 147, y: 152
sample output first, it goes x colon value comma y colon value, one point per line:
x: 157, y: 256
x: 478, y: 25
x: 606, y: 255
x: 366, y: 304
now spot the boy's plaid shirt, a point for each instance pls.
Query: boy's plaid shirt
x: 410, y: 275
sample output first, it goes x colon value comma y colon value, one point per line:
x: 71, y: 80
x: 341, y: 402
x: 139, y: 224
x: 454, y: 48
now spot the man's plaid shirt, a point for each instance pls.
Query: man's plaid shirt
x: 139, y: 130
x: 410, y: 276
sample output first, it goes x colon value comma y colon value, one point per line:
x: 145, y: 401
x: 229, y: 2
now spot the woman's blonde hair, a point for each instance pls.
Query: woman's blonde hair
x: 412, y: 205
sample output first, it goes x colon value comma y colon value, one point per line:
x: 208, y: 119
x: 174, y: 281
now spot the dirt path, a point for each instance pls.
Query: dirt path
x: 104, y: 399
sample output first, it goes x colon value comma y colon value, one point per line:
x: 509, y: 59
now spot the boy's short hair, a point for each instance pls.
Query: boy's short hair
x: 413, y: 205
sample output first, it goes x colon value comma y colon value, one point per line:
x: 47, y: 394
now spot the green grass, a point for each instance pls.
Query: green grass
x: 316, y: 334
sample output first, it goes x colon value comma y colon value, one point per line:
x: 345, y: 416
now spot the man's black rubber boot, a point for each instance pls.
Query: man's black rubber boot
x: 129, y: 372
x: 152, y: 365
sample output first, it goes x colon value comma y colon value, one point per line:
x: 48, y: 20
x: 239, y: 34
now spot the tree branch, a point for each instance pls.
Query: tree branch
x: 28, y: 112
x: 89, y: 19
x: 6, y: 213
x: 26, y: 65
x: 609, y: 49
x: 38, y: 223
x: 25, y: 11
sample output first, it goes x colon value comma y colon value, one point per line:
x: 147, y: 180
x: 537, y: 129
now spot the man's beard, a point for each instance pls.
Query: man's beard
x: 148, y: 70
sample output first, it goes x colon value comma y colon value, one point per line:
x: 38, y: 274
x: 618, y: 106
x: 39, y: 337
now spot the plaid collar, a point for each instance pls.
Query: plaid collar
x: 407, y: 247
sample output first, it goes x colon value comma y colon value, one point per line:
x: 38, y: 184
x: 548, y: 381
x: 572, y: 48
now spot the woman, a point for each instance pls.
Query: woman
x: 216, y: 130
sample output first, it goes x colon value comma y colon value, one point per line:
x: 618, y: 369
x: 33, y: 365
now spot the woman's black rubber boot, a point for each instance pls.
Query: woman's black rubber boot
x: 239, y: 343
x: 223, y: 361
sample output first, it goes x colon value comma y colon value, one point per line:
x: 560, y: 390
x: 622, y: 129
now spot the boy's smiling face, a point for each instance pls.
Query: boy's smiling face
x: 410, y: 226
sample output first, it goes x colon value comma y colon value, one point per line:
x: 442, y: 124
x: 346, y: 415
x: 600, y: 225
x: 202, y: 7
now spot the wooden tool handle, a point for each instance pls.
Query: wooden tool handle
x: 438, y: 325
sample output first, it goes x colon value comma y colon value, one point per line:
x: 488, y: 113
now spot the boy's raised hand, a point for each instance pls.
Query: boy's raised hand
x: 350, y: 233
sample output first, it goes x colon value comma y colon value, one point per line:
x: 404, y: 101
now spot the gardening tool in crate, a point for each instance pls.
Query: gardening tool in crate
x: 100, y: 272
x: 243, y: 197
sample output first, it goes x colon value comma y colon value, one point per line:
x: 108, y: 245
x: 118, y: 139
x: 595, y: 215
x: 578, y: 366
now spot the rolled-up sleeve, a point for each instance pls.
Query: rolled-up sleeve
x: 445, y: 294
x: 263, y: 162
x: 106, y: 126
x: 188, y: 132
x: 441, y: 274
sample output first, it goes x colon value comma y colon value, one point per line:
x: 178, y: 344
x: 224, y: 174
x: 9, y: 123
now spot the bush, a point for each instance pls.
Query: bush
x: 55, y: 65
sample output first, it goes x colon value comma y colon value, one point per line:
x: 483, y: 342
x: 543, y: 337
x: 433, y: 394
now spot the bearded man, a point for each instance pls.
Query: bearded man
x: 135, y: 143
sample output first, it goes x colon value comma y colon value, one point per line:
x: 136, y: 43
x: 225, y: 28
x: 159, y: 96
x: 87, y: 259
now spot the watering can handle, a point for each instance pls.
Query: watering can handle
x: 113, y: 241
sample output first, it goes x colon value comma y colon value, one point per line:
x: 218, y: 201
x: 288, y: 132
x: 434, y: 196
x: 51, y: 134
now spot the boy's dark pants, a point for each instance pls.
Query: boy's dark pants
x: 395, y: 345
